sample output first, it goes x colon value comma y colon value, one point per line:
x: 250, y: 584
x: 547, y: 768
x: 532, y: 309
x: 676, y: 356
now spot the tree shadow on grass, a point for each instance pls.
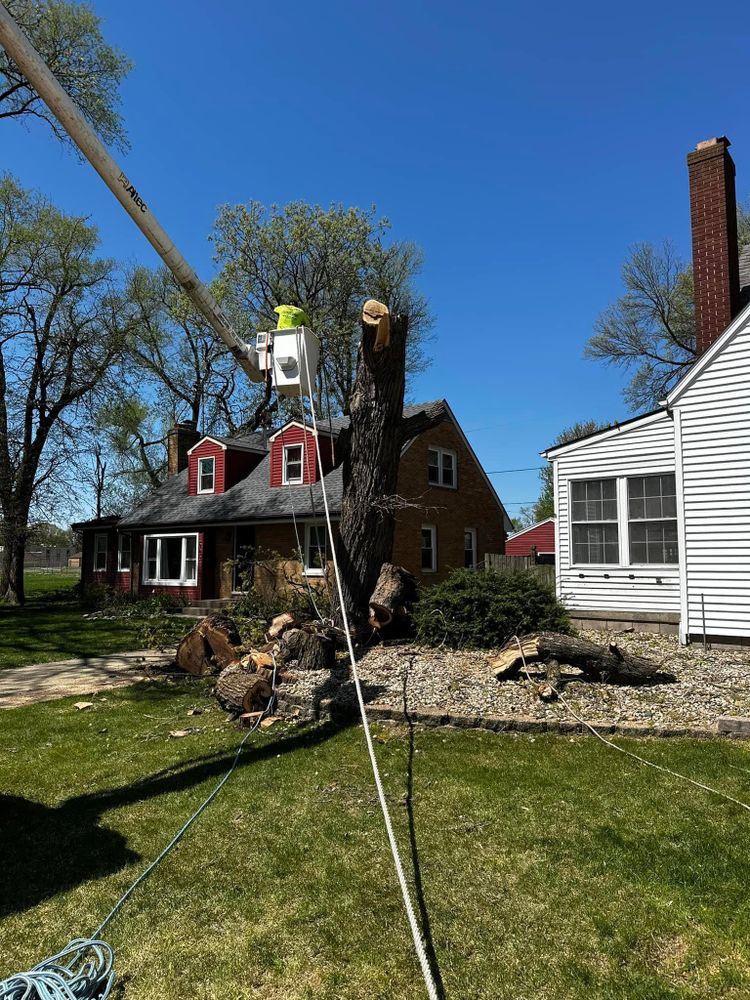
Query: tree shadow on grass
x: 48, y: 850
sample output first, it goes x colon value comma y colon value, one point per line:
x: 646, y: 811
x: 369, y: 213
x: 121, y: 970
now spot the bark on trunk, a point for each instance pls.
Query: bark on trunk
x: 370, y: 467
x: 606, y: 663
x: 241, y: 690
x: 311, y: 650
x: 210, y: 646
x: 396, y: 587
x: 11, y: 566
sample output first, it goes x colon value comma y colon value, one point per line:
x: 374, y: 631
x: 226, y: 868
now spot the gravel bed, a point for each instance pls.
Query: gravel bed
x: 706, y: 685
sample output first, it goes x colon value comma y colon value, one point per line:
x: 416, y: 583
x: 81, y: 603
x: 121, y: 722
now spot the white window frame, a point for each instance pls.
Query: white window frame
x: 120, y: 539
x: 623, y: 523
x: 212, y: 460
x: 473, y: 533
x: 97, y: 538
x: 285, y: 464
x: 308, y: 569
x: 454, y: 458
x: 629, y: 520
x: 183, y: 581
x: 433, y: 532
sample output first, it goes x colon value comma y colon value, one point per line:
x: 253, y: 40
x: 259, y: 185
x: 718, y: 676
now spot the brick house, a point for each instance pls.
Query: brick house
x: 235, y: 506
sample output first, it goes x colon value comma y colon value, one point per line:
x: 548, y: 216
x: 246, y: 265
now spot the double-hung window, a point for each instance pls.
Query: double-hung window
x: 124, y: 553
x: 171, y: 559
x: 292, y: 463
x: 206, y: 474
x: 652, y: 519
x: 100, y: 553
x: 429, y: 548
x: 470, y: 548
x: 596, y: 538
x: 441, y: 467
x: 316, y: 553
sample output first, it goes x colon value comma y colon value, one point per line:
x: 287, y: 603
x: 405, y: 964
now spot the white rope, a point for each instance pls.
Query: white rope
x: 413, y: 924
x: 629, y: 753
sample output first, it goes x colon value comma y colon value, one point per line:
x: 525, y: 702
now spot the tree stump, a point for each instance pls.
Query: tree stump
x: 209, y: 647
x: 241, y: 690
x: 396, y: 587
x: 310, y: 649
x: 605, y: 663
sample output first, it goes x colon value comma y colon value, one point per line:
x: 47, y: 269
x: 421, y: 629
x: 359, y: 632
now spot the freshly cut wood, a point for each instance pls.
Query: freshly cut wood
x: 210, y: 646
x: 241, y: 690
x: 281, y: 624
x: 396, y: 587
x: 606, y: 663
x: 376, y: 314
x: 256, y: 658
x: 311, y: 649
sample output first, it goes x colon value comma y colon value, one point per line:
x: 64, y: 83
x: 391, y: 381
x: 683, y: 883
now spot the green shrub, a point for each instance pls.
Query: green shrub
x: 485, y: 609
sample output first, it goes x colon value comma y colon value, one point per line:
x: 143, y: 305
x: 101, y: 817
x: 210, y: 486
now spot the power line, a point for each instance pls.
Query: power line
x: 530, y: 468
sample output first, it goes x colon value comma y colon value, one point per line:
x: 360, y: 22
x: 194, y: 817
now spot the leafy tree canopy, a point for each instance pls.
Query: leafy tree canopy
x: 327, y: 261
x: 68, y: 37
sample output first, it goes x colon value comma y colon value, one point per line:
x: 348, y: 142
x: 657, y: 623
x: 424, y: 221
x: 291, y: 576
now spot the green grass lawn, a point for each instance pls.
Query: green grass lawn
x: 51, y: 626
x: 552, y: 868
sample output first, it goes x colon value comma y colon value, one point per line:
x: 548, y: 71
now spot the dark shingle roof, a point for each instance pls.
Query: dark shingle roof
x: 253, y: 498
x: 246, y: 442
x: 745, y: 275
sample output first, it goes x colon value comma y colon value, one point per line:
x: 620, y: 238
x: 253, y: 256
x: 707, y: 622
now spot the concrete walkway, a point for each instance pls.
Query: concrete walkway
x: 46, y: 681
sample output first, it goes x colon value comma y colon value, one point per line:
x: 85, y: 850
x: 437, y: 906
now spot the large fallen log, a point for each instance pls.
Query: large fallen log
x: 605, y: 663
x: 311, y: 649
x: 241, y: 690
x: 210, y: 646
x: 396, y: 587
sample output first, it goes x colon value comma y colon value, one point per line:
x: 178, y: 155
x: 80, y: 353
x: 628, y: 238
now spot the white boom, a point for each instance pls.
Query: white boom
x: 36, y: 71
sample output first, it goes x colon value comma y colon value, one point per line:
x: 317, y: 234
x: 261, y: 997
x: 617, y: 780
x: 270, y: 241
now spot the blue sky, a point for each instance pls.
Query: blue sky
x: 524, y: 147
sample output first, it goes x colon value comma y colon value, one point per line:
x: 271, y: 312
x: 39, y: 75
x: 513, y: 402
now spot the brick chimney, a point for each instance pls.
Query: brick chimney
x: 180, y: 439
x: 713, y: 219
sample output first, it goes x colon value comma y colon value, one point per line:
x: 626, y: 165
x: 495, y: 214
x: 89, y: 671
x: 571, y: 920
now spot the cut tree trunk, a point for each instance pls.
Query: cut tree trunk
x: 396, y: 587
x: 281, y: 624
x: 371, y: 450
x: 241, y: 690
x: 311, y: 650
x: 210, y: 646
x: 606, y: 663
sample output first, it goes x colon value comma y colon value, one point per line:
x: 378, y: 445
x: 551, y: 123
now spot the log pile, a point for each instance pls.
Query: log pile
x: 209, y: 647
x: 601, y: 663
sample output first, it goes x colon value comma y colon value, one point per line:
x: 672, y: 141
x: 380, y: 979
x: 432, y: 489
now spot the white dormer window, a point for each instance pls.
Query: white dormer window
x: 292, y: 464
x: 206, y: 474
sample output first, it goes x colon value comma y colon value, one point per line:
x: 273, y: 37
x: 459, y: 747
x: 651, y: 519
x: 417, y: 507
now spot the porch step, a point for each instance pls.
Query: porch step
x: 202, y: 608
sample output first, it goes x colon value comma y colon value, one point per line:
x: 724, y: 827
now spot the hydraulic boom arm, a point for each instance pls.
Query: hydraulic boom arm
x: 31, y: 64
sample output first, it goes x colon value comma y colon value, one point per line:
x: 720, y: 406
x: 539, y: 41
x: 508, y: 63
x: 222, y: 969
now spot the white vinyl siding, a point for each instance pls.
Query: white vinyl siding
x: 634, y: 450
x: 715, y: 421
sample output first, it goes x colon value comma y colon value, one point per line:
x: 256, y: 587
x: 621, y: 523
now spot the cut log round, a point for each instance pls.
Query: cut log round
x: 396, y: 587
x: 606, y: 663
x: 209, y: 647
x: 310, y: 649
x: 281, y: 624
x: 241, y: 690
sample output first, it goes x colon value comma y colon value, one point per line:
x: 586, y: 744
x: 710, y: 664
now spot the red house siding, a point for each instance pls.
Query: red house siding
x: 207, y: 449
x: 542, y: 536
x: 133, y: 581
x: 298, y: 435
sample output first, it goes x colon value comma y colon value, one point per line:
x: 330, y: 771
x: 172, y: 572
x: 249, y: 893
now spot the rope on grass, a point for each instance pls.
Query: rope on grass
x: 629, y: 753
x: 84, y: 969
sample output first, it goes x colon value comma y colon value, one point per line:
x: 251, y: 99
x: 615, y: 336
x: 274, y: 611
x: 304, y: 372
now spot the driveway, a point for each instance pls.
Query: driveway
x: 46, y: 681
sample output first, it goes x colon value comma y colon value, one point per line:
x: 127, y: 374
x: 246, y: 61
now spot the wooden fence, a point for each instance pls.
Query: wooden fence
x: 518, y: 564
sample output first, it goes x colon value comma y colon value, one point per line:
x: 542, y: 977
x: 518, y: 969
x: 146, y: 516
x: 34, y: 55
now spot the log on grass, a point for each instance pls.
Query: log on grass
x: 311, y: 649
x: 606, y: 663
x: 210, y: 646
x: 241, y: 690
x: 396, y: 587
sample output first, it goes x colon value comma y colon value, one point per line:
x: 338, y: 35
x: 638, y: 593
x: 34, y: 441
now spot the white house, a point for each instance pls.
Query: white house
x: 653, y: 515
